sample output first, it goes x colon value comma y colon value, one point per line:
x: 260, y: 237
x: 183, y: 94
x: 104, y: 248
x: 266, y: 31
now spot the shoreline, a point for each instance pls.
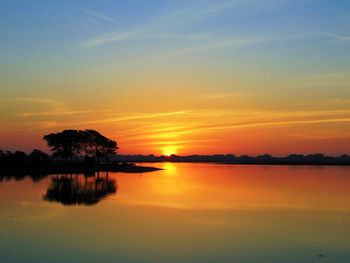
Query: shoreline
x: 255, y: 163
x: 5, y: 171
x: 78, y: 169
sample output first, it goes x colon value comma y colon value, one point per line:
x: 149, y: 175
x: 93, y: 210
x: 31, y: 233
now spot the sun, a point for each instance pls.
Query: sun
x: 169, y: 150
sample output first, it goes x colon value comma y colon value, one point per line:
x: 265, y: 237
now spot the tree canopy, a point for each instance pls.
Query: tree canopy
x: 69, y: 143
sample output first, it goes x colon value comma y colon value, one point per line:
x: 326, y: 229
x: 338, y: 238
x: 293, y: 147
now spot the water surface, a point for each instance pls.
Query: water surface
x: 185, y: 213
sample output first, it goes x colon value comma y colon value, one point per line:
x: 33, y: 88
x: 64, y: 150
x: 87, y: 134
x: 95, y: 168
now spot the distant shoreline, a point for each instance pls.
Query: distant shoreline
x: 293, y: 159
x: 291, y: 164
x: 74, y: 169
x: 254, y: 163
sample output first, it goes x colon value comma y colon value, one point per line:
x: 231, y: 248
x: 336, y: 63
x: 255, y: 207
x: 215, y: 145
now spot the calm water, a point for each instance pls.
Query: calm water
x: 186, y: 213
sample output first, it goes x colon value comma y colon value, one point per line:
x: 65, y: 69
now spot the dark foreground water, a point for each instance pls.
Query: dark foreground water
x: 186, y: 213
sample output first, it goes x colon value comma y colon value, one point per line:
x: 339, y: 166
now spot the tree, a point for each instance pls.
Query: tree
x: 64, y: 144
x: 20, y: 157
x: 99, y: 145
x: 37, y: 156
x: 110, y: 149
x: 74, y: 142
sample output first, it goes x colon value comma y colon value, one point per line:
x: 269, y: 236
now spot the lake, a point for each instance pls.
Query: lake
x: 185, y: 213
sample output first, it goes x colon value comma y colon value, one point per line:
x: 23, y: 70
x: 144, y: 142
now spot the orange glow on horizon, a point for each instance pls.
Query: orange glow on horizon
x: 169, y: 150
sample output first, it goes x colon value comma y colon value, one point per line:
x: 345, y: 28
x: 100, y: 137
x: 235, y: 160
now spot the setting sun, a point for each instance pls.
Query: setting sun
x: 168, y: 150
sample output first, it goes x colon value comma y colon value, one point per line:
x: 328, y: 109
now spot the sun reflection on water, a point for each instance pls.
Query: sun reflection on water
x: 170, y: 169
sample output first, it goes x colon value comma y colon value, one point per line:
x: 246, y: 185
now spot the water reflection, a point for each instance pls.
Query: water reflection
x: 19, y: 177
x: 72, y: 189
x: 185, y: 213
x: 80, y: 189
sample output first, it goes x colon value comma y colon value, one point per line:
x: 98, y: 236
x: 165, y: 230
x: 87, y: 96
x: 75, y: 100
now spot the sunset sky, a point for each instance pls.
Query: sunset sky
x: 185, y: 77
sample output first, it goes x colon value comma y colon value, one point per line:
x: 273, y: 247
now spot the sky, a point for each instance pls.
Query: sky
x: 184, y: 77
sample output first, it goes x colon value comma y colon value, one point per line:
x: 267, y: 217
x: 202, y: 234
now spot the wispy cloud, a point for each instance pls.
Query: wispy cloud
x: 216, y: 96
x: 91, y: 21
x: 120, y: 36
x: 178, y: 124
x: 199, y: 42
x: 227, y: 42
x: 270, y: 124
x: 200, y: 11
x: 52, y: 104
x: 153, y: 115
x: 50, y: 107
x: 339, y: 37
x: 330, y: 79
x: 112, y: 37
x: 125, y: 117
x: 191, y: 13
x: 230, y: 120
x: 185, y: 36
x: 231, y: 42
x: 176, y: 142
x: 36, y: 100
x: 53, y: 113
x: 97, y: 15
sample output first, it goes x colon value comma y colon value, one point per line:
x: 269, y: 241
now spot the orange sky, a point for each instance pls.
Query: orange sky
x: 196, y: 131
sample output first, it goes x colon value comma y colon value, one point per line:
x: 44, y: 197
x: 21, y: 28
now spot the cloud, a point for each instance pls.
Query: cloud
x: 232, y: 42
x: 217, y: 96
x: 189, y: 13
x: 51, y: 108
x: 185, y: 124
x: 153, y: 115
x: 125, y: 117
x: 330, y: 79
x: 200, y: 11
x: 120, y: 36
x: 229, y: 42
x: 341, y: 38
x: 53, y: 113
x: 185, y: 36
x: 223, y: 121
x: 194, y: 12
x: 175, y: 142
x: 36, y: 100
x: 51, y: 104
x: 270, y: 124
x: 112, y: 37
x: 97, y: 15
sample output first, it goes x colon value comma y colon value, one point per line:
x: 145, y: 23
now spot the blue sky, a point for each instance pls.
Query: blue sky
x: 31, y: 28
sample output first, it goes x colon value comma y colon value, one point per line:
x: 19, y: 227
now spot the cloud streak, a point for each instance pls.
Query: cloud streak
x: 97, y: 15
x: 186, y: 15
x: 339, y: 37
x: 231, y: 42
x: 191, y: 121
x: 112, y: 37
x: 128, y: 117
x: 54, y: 113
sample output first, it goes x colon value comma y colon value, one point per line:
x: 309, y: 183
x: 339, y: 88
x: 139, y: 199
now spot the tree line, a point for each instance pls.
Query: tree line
x: 66, y: 145
x: 87, y: 143
x: 8, y: 158
x: 292, y: 159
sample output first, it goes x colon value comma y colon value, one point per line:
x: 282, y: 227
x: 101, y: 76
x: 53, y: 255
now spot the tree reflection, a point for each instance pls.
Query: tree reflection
x: 78, y: 189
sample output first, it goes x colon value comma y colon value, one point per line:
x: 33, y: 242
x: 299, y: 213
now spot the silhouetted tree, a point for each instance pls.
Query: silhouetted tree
x: 99, y: 145
x: 110, y: 148
x: 20, y: 157
x: 64, y: 144
x: 37, y: 156
x: 72, y: 142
